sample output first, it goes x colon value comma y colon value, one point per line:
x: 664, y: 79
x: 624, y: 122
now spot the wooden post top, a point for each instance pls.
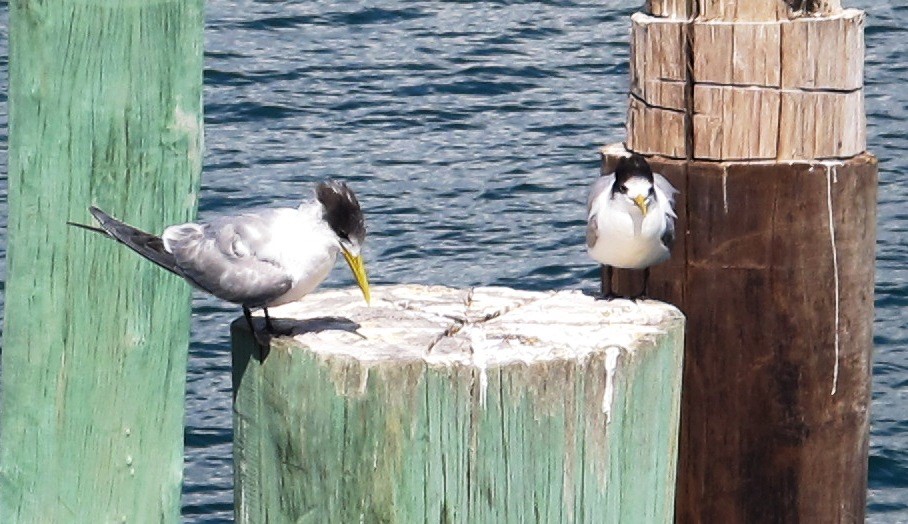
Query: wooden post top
x: 741, y: 10
x: 742, y: 81
x: 482, y: 326
x: 480, y: 405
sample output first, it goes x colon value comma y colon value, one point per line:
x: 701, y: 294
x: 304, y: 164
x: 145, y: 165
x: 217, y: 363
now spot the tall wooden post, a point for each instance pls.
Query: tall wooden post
x: 754, y: 110
x: 105, y: 108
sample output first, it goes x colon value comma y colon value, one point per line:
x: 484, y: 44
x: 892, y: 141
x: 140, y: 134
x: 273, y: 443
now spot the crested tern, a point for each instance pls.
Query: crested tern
x: 630, y: 220
x: 257, y: 259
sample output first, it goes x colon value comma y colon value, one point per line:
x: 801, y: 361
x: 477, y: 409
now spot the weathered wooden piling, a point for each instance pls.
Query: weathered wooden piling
x: 445, y: 405
x: 105, y: 108
x: 755, y: 112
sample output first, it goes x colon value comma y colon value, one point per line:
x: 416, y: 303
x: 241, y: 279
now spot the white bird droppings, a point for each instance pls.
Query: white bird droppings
x: 831, y: 178
x: 611, y: 364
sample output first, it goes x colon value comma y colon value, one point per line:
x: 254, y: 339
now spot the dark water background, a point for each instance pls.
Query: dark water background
x: 469, y: 131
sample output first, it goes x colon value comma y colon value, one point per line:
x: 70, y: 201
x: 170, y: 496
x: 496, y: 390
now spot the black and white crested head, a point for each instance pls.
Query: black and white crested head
x: 634, y: 166
x: 634, y: 183
x: 342, y: 212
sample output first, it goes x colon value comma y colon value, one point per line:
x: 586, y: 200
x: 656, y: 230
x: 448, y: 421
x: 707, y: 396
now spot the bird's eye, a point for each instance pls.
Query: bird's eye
x: 622, y: 188
x: 344, y: 236
x: 652, y: 191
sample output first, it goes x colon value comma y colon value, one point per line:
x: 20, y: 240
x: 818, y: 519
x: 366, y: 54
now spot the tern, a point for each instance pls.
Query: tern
x: 257, y: 259
x: 630, y: 220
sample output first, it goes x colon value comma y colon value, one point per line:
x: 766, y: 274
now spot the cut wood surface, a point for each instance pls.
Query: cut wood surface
x: 459, y: 405
x: 749, y: 10
x: 745, y: 11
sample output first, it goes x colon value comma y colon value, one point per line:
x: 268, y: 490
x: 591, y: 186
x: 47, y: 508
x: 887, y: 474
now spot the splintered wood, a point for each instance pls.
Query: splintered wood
x: 758, y: 80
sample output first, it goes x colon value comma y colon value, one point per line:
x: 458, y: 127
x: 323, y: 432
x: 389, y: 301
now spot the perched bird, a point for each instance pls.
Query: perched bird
x: 257, y: 259
x: 802, y: 5
x: 630, y: 220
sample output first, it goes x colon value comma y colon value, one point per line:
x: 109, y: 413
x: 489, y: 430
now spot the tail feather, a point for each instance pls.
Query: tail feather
x: 89, y: 228
x: 148, y: 245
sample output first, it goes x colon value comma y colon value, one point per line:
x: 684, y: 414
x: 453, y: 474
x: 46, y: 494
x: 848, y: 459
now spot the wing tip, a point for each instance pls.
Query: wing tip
x: 99, y: 215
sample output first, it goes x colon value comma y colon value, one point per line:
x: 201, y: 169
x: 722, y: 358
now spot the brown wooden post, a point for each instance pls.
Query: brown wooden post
x: 754, y: 110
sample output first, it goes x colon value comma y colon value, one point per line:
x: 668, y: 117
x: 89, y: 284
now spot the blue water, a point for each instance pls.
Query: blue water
x: 469, y: 131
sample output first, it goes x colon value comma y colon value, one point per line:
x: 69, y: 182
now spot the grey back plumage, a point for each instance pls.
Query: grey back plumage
x: 219, y: 258
x: 222, y: 258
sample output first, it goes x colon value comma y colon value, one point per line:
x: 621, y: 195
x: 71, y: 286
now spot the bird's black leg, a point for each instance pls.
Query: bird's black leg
x: 606, y: 276
x: 248, y: 315
x: 255, y: 335
x: 645, y: 283
x: 268, y: 325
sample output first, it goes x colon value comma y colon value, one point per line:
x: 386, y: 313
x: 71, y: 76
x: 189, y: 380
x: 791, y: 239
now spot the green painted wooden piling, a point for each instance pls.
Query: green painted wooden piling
x: 105, y: 108
x: 473, y: 406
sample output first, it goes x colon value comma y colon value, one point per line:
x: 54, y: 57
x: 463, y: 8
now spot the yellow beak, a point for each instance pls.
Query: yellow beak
x: 359, y: 272
x: 640, y: 201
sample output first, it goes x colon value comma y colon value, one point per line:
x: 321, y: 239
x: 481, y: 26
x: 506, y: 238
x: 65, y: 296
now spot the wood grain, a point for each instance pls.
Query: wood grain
x: 824, y: 53
x: 642, y: 123
x: 681, y: 9
x: 105, y: 109
x: 745, y: 11
x: 779, y: 302
x: 745, y: 54
x: 822, y: 125
x: 775, y: 89
x: 733, y: 123
x: 470, y: 406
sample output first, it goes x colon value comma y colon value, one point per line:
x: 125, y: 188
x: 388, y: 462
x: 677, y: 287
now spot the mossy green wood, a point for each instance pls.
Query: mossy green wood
x: 105, y: 109
x: 334, y: 439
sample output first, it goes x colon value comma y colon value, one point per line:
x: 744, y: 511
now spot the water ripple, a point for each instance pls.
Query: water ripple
x: 469, y: 130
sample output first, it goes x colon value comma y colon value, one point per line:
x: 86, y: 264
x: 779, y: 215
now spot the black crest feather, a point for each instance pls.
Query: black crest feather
x: 632, y: 166
x: 342, y: 211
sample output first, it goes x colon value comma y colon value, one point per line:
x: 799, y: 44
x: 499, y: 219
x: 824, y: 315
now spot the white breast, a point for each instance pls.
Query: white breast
x: 626, y: 239
x: 307, y: 251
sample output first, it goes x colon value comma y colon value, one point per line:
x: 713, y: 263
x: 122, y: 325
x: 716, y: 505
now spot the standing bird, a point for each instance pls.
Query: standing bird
x: 630, y: 220
x: 257, y: 259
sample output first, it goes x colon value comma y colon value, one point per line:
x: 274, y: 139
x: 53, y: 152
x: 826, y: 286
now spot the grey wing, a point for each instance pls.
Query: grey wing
x: 665, y: 195
x: 668, y: 236
x: 592, y: 231
x: 221, y: 258
x: 602, y: 185
x: 665, y: 190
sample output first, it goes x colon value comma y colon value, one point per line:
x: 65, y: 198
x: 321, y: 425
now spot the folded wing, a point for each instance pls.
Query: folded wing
x: 224, y: 259
x: 601, y: 187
